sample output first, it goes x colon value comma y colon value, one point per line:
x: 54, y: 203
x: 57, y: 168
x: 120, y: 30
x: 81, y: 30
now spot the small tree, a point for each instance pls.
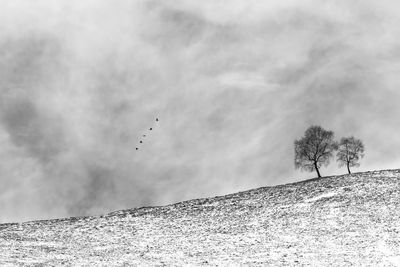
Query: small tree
x: 314, y: 149
x: 350, y: 151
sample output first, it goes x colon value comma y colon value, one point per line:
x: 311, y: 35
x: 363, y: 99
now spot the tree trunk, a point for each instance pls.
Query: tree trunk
x: 348, y: 168
x: 316, y: 169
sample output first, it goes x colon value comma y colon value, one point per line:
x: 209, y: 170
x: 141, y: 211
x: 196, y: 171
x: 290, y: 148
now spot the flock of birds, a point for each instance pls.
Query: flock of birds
x: 144, y: 135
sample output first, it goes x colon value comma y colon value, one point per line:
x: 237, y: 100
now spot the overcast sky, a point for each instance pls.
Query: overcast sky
x: 233, y: 83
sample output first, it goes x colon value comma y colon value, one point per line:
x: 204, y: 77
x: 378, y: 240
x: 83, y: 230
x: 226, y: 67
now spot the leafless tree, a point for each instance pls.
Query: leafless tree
x: 350, y: 151
x: 314, y: 149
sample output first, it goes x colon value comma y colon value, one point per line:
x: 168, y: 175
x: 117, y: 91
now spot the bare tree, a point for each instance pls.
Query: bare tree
x: 350, y: 151
x: 314, y: 149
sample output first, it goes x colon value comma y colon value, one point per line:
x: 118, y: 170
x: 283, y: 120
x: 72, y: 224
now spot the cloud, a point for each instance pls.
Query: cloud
x: 233, y: 83
x: 245, y: 80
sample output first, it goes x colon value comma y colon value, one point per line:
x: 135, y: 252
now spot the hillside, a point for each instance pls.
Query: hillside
x: 334, y: 221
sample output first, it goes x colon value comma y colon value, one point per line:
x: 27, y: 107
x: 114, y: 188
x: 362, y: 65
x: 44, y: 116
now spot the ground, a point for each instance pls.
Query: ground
x: 348, y: 220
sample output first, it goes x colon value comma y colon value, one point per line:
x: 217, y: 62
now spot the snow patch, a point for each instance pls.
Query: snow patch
x: 330, y: 194
x: 395, y: 260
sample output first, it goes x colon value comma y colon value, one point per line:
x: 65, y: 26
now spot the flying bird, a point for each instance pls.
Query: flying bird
x: 141, y: 141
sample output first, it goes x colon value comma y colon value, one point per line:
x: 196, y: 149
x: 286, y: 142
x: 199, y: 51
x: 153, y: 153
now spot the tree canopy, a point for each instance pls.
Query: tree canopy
x: 314, y: 149
x: 350, y: 151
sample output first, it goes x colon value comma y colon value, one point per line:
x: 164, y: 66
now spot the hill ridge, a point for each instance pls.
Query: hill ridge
x: 331, y: 221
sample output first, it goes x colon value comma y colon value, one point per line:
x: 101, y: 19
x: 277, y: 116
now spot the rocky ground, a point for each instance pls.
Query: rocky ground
x: 349, y: 220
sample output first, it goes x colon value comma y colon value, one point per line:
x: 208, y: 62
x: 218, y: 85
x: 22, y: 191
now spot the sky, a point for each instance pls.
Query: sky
x: 233, y: 84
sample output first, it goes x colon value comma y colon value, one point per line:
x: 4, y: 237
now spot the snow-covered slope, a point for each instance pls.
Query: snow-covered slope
x: 335, y: 221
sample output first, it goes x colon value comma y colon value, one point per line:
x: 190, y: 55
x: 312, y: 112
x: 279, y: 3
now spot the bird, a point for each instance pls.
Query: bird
x: 141, y: 141
x: 137, y: 148
x: 151, y: 129
x: 156, y: 119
